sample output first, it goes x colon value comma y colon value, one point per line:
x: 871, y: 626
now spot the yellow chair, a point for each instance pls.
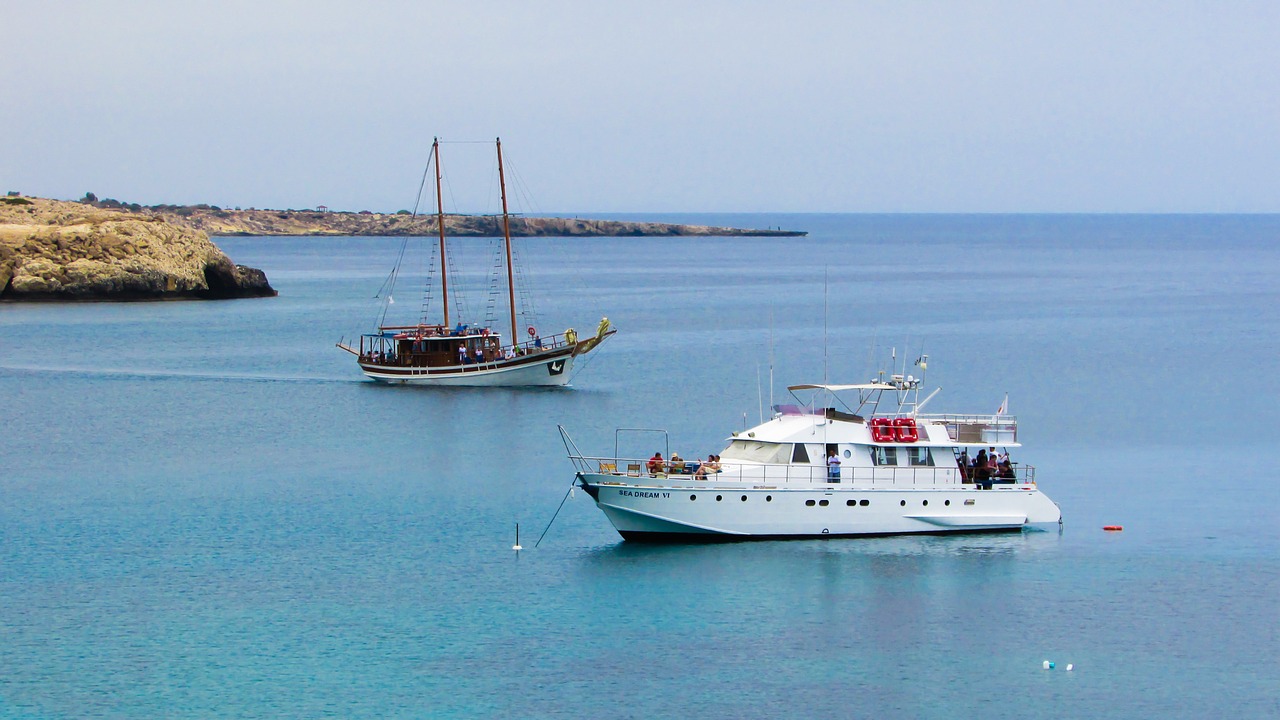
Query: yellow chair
x: 608, y: 468
x: 633, y: 469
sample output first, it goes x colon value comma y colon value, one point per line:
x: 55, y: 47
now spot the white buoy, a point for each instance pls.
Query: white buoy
x: 517, y: 547
x: 1070, y: 667
x: 1047, y: 665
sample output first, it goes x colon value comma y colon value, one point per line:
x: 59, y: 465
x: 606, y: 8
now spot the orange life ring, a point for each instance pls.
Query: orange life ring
x: 882, y: 430
x: 905, y: 430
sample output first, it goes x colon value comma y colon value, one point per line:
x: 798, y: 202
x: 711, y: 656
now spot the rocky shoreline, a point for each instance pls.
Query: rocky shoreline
x: 52, y: 250
x: 216, y: 221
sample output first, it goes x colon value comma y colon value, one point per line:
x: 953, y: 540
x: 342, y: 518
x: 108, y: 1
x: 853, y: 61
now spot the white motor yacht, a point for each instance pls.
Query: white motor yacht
x: 876, y: 467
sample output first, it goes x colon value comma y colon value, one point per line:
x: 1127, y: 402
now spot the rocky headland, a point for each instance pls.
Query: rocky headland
x: 52, y: 250
x: 216, y: 221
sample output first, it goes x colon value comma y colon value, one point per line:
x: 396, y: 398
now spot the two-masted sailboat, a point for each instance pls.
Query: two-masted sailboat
x: 471, y: 354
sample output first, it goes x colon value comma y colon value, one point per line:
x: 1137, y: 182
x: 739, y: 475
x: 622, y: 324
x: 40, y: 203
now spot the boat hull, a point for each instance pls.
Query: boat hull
x: 689, y: 511
x: 548, y: 369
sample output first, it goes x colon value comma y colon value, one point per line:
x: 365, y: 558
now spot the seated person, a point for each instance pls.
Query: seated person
x: 677, y: 463
x: 704, y: 468
x: 656, y: 464
x: 1006, y: 471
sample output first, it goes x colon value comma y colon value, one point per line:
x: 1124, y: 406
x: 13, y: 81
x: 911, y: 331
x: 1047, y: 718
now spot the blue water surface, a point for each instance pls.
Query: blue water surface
x: 209, y: 513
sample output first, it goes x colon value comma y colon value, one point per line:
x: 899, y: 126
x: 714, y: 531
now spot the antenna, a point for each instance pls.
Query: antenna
x: 771, y: 361
x: 759, y: 394
x: 824, y: 325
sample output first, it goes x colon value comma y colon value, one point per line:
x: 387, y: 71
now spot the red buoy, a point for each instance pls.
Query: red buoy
x: 1113, y: 528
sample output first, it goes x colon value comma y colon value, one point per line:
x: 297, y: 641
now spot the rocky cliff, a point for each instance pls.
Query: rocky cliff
x: 55, y: 250
x: 215, y: 221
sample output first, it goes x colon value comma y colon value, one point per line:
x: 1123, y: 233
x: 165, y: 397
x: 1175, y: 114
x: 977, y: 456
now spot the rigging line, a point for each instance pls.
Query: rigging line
x: 417, y: 201
x: 390, y: 282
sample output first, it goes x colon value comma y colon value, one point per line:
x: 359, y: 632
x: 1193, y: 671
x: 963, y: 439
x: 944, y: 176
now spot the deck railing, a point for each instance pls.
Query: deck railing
x: 780, y: 474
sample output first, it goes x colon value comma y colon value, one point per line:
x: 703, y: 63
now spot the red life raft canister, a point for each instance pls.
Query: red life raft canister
x: 882, y: 430
x: 905, y: 429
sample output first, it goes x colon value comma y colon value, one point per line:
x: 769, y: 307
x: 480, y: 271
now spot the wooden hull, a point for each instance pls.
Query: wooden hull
x: 547, y: 369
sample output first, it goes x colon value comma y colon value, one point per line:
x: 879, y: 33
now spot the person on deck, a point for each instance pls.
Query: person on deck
x: 704, y: 468
x: 981, y: 468
x: 656, y: 464
x: 833, y: 466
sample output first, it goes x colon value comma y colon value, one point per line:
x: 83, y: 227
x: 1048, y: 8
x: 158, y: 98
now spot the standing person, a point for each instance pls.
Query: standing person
x: 462, y: 354
x: 833, y: 466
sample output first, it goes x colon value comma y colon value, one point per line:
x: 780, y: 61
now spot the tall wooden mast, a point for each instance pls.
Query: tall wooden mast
x: 444, y: 273
x: 506, y: 235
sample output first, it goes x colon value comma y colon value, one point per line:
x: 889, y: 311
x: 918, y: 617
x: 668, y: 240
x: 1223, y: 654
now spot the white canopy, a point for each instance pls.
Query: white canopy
x: 838, y: 388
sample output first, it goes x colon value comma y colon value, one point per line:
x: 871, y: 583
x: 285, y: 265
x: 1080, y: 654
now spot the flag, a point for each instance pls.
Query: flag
x: 391, y: 300
x: 1004, y: 406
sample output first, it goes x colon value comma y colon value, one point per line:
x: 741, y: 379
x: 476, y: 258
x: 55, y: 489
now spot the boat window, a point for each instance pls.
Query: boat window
x: 920, y: 456
x: 799, y: 455
x: 884, y: 455
x: 756, y: 451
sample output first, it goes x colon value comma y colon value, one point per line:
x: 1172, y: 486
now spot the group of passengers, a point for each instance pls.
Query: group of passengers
x: 483, y: 354
x: 679, y: 466
x: 986, y: 467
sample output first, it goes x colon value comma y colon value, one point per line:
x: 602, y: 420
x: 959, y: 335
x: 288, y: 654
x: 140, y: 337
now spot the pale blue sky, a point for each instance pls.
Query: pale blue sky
x: 652, y: 106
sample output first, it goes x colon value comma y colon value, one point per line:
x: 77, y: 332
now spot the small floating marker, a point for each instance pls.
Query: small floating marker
x: 517, y: 547
x: 1047, y: 665
x: 1113, y: 528
x: 1070, y: 667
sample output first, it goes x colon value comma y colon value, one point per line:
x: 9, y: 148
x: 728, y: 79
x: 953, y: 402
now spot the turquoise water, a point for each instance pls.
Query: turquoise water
x: 207, y: 512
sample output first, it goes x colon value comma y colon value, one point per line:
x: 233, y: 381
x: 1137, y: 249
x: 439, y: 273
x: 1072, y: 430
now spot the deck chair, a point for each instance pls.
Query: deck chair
x: 608, y: 468
x: 633, y: 469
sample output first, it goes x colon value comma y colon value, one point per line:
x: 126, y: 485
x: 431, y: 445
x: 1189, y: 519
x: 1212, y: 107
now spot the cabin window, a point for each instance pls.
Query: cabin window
x: 800, y: 455
x: 757, y: 451
x: 884, y: 455
x: 920, y: 456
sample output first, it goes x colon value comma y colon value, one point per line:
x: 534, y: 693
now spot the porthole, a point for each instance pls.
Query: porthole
x: 926, y: 503
x: 824, y: 503
x: 744, y: 498
x: 719, y: 498
x: 864, y: 503
x: 947, y: 503
x: 693, y: 497
x: 809, y: 503
x: 851, y: 503
x: 848, y: 454
x: 903, y: 503
x: 768, y: 498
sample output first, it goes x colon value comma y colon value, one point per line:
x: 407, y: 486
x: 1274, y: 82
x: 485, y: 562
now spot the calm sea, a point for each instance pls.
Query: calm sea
x: 207, y: 512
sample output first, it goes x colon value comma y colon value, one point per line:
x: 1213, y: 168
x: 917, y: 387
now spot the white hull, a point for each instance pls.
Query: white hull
x: 688, y: 510
x: 551, y: 371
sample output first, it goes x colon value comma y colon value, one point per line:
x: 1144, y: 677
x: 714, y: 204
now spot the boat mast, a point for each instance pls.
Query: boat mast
x: 506, y: 236
x: 444, y: 276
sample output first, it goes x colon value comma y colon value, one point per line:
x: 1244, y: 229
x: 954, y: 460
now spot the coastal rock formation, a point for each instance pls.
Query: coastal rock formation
x: 55, y: 250
x: 216, y: 221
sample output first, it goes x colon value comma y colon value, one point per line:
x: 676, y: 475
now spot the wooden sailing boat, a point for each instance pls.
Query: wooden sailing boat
x: 469, y: 354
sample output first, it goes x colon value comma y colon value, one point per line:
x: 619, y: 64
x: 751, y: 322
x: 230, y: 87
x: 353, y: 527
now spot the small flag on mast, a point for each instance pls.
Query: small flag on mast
x: 1004, y: 406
